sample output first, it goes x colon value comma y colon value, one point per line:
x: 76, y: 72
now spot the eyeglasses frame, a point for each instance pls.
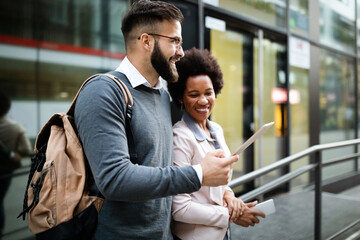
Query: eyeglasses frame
x: 179, y: 44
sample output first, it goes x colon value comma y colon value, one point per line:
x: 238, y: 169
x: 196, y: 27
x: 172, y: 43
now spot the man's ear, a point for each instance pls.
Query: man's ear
x: 146, y: 41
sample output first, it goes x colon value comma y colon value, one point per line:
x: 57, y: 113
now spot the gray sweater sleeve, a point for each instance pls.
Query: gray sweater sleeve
x: 99, y: 117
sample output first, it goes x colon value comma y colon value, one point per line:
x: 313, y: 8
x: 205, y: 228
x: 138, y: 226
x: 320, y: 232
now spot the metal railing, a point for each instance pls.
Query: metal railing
x: 316, y: 166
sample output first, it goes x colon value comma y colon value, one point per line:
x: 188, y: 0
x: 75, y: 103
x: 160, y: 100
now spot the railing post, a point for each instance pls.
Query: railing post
x: 318, y: 196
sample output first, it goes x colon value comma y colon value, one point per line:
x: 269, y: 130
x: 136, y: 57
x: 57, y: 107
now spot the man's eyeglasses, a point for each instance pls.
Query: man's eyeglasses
x: 178, y: 42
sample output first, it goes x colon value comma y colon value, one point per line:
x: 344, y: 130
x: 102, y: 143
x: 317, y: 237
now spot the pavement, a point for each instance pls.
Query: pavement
x: 294, y: 217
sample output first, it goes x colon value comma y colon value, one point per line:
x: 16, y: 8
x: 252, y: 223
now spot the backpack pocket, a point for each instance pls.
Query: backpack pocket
x: 42, y: 195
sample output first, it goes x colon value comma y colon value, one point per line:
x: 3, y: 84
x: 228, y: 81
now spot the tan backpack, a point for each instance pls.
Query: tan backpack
x: 58, y: 196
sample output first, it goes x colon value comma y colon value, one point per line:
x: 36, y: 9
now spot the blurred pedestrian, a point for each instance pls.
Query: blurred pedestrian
x: 14, y: 144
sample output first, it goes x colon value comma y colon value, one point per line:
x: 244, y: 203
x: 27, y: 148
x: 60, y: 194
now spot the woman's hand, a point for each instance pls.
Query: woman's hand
x: 250, y: 216
x: 235, y: 205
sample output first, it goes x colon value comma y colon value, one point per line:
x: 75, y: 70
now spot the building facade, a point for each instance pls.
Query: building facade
x: 294, y: 62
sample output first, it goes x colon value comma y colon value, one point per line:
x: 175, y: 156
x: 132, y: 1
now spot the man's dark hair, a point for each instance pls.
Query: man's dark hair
x: 196, y: 62
x: 5, y: 104
x: 149, y: 13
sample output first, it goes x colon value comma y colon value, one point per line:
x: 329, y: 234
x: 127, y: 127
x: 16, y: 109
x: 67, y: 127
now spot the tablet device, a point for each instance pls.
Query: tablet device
x: 248, y: 142
x: 266, y: 207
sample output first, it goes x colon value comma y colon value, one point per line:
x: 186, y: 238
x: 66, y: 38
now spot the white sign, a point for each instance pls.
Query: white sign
x: 214, y: 23
x: 299, y: 53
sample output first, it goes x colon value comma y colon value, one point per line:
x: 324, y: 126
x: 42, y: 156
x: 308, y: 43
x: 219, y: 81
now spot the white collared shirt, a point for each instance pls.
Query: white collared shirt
x: 136, y: 79
x: 134, y: 76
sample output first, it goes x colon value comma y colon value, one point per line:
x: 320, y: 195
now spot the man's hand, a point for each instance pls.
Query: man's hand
x: 216, y: 168
x: 250, y: 216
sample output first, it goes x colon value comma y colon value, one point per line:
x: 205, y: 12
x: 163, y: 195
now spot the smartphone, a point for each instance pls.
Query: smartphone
x: 267, y: 207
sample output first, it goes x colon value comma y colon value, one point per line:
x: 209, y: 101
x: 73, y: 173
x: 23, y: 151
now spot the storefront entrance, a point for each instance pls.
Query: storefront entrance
x: 255, y: 79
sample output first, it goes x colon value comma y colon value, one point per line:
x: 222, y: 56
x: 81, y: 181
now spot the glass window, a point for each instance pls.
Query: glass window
x: 299, y: 109
x: 237, y: 107
x: 337, y: 24
x: 16, y: 18
x: 58, y: 85
x: 337, y: 107
x: 358, y: 27
x: 270, y: 12
x: 230, y: 48
x: 34, y: 101
x: 358, y: 112
x: 71, y: 22
x: 190, y: 31
x: 117, y: 10
x: 47, y: 49
x: 91, y: 25
x: 274, y: 79
x: 299, y: 17
x: 17, y: 79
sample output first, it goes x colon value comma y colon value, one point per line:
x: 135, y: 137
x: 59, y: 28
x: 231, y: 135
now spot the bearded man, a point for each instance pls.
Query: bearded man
x: 138, y: 190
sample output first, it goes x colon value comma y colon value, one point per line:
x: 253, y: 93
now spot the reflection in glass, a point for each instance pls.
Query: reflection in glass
x: 270, y: 12
x: 299, y: 17
x: 337, y: 24
x: 17, y: 78
x: 358, y: 112
x: 299, y: 108
x: 117, y: 10
x: 229, y: 49
x: 337, y: 107
x: 17, y: 18
x: 71, y: 22
x: 89, y: 25
x: 274, y: 78
x: 61, y: 82
x: 299, y: 100
x: 358, y: 27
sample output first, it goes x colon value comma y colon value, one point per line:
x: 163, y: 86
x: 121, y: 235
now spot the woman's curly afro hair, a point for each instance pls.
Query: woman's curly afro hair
x: 196, y: 62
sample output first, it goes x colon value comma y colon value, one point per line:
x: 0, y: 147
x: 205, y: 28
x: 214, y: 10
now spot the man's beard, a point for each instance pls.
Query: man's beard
x: 162, y: 66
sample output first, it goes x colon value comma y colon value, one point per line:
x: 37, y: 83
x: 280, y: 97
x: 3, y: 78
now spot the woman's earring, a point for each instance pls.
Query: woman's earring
x: 182, y: 106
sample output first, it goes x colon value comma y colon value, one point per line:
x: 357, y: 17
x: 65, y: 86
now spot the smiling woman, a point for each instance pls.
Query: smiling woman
x: 199, y: 99
x: 204, y: 214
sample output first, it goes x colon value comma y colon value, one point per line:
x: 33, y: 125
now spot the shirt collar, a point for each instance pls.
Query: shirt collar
x: 134, y: 76
x: 198, y: 132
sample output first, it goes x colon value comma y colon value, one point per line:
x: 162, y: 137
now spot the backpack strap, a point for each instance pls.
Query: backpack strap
x: 128, y: 101
x: 127, y: 95
x: 116, y: 77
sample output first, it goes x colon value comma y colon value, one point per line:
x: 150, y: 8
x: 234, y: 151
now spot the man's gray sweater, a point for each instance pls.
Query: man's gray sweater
x: 137, y: 194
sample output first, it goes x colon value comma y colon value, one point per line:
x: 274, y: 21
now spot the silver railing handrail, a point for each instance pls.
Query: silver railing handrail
x: 287, y: 160
x: 316, y: 166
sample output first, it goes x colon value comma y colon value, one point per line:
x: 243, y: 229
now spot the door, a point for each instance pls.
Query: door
x: 252, y: 75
